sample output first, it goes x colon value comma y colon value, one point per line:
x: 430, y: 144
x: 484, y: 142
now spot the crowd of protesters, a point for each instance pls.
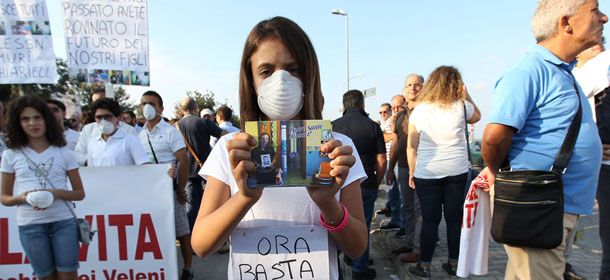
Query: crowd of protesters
x: 418, y: 146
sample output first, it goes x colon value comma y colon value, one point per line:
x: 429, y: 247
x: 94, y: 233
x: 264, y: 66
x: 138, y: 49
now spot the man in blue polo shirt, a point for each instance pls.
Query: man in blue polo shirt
x: 535, y: 101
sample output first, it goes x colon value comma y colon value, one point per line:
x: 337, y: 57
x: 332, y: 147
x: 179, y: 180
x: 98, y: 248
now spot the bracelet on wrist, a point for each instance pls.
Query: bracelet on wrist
x: 341, y: 226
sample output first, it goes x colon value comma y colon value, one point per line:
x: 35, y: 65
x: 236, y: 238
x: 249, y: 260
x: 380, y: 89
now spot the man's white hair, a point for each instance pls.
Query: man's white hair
x: 547, y: 15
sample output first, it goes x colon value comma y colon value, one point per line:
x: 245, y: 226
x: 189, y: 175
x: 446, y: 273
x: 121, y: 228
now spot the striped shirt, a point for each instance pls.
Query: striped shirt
x: 165, y: 139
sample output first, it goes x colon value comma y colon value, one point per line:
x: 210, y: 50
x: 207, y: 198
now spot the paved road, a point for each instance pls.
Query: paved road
x: 586, y: 254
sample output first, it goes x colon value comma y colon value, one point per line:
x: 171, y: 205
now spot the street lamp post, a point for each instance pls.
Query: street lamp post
x: 342, y: 13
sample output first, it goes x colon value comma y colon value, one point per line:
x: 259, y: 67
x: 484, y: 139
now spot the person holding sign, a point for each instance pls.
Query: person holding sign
x: 287, y: 231
x: 34, y: 171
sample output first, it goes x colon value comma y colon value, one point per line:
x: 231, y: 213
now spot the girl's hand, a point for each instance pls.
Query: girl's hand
x: 412, y: 181
x: 21, y: 197
x: 341, y: 161
x: 490, y: 176
x: 172, y: 172
x: 241, y: 164
x: 40, y: 190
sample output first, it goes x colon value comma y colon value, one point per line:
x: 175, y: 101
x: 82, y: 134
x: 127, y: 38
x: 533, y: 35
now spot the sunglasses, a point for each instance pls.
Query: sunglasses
x: 107, y: 117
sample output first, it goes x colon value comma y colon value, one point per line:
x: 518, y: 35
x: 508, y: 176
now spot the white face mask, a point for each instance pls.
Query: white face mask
x: 149, y: 112
x: 280, y: 96
x: 40, y: 199
x: 105, y: 127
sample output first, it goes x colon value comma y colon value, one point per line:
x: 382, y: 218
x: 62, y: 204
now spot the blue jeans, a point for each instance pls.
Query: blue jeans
x: 395, y: 203
x: 603, y: 201
x: 194, y: 192
x: 369, y: 196
x: 435, y: 196
x: 51, y: 246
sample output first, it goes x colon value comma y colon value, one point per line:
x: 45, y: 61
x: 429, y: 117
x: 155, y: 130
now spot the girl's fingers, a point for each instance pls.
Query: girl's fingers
x: 236, y: 156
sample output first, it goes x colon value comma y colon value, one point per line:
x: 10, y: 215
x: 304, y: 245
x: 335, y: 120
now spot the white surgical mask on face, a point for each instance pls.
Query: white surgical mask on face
x: 105, y: 127
x: 149, y: 112
x: 280, y: 96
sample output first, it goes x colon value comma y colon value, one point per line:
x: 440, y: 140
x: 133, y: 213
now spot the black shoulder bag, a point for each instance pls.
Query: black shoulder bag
x: 528, y: 204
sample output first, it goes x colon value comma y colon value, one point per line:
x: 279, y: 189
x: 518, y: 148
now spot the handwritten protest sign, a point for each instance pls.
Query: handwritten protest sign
x: 107, y: 41
x: 294, y: 252
x: 26, y: 48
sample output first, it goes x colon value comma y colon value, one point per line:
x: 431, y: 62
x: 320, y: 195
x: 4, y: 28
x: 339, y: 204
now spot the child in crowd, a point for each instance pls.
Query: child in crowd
x: 34, y: 170
x: 280, y: 80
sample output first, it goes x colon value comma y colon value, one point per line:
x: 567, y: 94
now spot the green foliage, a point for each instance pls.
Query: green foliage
x: 206, y: 100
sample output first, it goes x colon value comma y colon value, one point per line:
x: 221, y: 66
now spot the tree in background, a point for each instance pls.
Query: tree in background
x: 206, y: 100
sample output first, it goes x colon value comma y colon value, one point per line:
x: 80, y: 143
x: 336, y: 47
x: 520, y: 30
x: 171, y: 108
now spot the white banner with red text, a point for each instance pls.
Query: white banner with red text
x: 131, y: 207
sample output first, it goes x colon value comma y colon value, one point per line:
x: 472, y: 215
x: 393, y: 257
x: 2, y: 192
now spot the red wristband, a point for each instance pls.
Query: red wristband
x: 341, y: 226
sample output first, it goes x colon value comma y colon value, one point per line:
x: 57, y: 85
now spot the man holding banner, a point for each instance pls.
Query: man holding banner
x: 163, y: 144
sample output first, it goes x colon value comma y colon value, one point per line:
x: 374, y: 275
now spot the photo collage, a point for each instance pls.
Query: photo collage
x: 116, y: 77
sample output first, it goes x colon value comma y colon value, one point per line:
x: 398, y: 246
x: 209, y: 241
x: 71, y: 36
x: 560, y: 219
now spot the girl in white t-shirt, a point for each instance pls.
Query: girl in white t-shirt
x: 37, y: 164
x: 279, y: 80
x: 438, y: 161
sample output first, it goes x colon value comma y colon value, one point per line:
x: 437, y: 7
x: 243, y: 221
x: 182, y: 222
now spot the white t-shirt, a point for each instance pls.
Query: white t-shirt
x: 57, y: 161
x: 442, y: 142
x: 71, y: 138
x: 278, y: 206
x: 120, y: 149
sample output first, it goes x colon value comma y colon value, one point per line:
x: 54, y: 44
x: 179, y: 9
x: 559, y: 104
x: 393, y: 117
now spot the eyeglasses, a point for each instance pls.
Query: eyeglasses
x: 107, y: 117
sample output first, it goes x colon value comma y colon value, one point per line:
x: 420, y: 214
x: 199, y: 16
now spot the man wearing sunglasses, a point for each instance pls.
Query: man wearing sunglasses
x: 90, y: 131
x: 112, y: 146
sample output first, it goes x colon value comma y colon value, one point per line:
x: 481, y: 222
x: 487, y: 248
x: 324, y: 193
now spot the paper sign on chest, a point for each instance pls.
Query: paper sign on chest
x: 295, y: 252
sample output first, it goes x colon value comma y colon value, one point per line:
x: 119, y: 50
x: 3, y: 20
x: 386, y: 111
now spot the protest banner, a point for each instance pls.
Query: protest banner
x: 131, y: 207
x: 294, y: 252
x: 370, y: 92
x: 26, y: 47
x: 107, y: 41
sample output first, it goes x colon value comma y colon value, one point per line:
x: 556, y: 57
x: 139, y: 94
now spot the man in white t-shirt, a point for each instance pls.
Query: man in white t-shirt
x: 112, y: 146
x: 59, y: 111
x: 593, y: 74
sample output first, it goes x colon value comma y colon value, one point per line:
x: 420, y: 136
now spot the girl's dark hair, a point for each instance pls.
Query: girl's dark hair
x: 295, y: 39
x: 16, y: 137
